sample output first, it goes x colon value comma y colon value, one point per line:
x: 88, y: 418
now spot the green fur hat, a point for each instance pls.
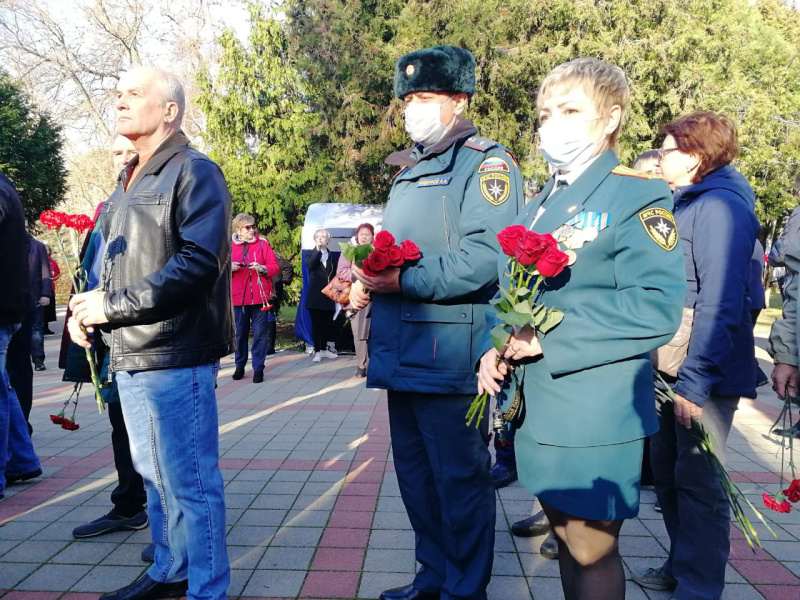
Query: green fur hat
x: 438, y: 69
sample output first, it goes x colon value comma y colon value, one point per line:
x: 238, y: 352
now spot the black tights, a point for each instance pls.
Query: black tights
x: 321, y: 326
x: 588, y: 557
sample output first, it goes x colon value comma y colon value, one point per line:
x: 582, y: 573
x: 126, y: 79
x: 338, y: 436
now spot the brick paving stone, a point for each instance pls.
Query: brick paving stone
x: 351, y: 519
x: 33, y: 551
x: 250, y: 536
x: 508, y: 587
x: 391, y: 538
x: 262, y: 517
x: 108, y: 578
x: 306, y: 518
x: 374, y: 583
x: 344, y: 538
x: 389, y: 561
x: 286, y: 558
x: 274, y: 584
x: 12, y: 573
x: 338, y: 559
x: 300, y: 537
x: 778, y: 592
x: 771, y: 572
x: 53, y: 578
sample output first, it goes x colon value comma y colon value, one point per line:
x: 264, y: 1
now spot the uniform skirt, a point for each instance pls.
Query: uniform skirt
x: 597, y: 483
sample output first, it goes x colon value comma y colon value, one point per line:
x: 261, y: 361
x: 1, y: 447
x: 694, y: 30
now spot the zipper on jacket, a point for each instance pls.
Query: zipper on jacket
x: 444, y: 215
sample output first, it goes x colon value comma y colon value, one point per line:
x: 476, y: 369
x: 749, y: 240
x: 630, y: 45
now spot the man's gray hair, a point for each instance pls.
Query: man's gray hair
x: 170, y: 88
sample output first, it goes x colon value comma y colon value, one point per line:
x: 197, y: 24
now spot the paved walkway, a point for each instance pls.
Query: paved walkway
x: 313, y: 504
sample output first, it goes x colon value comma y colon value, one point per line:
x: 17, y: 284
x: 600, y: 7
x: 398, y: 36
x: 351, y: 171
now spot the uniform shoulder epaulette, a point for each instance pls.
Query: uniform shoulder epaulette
x: 628, y: 172
x: 479, y: 143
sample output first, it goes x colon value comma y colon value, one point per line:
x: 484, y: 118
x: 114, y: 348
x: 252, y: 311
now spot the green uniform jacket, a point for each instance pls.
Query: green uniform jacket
x: 622, y: 298
x: 451, y: 203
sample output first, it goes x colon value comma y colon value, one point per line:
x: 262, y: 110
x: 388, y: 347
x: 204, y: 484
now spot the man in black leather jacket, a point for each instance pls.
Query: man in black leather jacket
x: 165, y: 299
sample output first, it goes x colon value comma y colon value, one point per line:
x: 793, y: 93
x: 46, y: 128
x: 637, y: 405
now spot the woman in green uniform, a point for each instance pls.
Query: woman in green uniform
x: 588, y: 384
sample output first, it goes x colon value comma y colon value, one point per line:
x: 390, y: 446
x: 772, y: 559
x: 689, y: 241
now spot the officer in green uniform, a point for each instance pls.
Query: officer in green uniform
x: 588, y: 384
x: 453, y: 192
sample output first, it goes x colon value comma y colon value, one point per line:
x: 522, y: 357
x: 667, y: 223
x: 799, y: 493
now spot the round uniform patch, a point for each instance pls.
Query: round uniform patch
x: 495, y: 187
x: 660, y: 227
x: 410, y: 70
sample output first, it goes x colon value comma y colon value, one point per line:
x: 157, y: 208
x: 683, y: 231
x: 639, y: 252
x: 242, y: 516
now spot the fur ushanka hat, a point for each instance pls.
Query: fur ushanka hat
x: 438, y: 69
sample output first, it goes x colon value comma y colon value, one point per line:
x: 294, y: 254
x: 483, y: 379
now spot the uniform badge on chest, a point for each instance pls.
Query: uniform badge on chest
x: 582, y: 228
x: 432, y: 181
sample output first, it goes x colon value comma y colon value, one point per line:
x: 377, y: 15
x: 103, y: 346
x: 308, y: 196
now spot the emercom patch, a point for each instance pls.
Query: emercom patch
x: 495, y: 187
x: 660, y: 227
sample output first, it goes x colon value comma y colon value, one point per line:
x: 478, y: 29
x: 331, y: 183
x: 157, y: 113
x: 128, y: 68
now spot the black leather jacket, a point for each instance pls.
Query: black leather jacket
x: 167, y: 268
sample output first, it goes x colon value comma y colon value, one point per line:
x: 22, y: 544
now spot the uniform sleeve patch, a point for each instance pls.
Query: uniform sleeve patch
x: 659, y: 224
x: 628, y: 172
x: 495, y: 187
x: 494, y: 164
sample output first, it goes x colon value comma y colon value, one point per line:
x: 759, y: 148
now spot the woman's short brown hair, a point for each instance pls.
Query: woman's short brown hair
x: 708, y: 135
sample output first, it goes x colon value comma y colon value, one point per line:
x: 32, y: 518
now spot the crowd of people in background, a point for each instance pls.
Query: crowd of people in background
x: 669, y: 254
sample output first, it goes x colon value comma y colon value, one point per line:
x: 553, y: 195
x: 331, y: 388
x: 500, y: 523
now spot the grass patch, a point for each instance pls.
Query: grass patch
x: 284, y: 336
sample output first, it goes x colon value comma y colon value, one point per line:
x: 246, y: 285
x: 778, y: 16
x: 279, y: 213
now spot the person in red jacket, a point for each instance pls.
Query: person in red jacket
x: 254, y: 264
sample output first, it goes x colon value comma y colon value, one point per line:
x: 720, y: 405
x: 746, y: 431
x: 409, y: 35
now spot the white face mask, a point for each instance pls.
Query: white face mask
x: 566, y: 145
x: 423, y: 122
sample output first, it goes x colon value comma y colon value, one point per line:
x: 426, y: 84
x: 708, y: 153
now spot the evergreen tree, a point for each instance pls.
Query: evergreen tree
x: 30, y: 151
x: 260, y: 130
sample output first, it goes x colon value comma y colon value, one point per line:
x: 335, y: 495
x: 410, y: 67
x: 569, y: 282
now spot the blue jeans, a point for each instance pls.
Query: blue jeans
x: 17, y: 456
x: 37, y: 334
x: 243, y: 316
x: 171, y: 416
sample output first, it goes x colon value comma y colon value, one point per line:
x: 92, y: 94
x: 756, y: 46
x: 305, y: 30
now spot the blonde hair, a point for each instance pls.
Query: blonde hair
x: 241, y: 220
x: 325, y: 231
x: 602, y: 81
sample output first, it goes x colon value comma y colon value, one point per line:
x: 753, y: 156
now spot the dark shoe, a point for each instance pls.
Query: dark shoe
x: 148, y: 589
x: 39, y: 367
x: 48, y: 332
x: 361, y: 372
x: 793, y: 431
x: 12, y: 479
x: 538, y: 524
x: 258, y: 376
x: 549, y: 547
x: 110, y: 523
x: 238, y: 374
x: 408, y: 592
x: 655, y: 579
x: 502, y: 475
x: 149, y: 553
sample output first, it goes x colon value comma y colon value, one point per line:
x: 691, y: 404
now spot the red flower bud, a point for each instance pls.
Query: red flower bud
x: 383, y: 240
x: 395, y: 254
x: 532, y: 246
x: 781, y: 507
x: 552, y: 262
x: 410, y: 250
x: 793, y: 491
x: 510, y: 237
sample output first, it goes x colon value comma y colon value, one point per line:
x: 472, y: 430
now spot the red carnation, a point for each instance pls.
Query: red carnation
x: 395, y: 254
x: 793, y: 491
x: 52, y: 219
x: 553, y: 261
x: 70, y: 425
x: 781, y: 507
x: 410, y: 250
x: 383, y: 240
x: 532, y: 246
x: 510, y: 237
x: 79, y: 223
x: 57, y: 419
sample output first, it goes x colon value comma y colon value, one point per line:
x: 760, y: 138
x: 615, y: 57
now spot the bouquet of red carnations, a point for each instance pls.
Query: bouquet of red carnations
x: 532, y: 259
x: 74, y: 224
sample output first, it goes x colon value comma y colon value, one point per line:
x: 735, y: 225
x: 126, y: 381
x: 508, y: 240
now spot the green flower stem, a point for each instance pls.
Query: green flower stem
x: 79, y: 283
x: 476, y: 409
x: 732, y: 492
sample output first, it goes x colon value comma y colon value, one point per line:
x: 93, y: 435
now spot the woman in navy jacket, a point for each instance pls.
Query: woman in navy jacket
x: 714, y: 211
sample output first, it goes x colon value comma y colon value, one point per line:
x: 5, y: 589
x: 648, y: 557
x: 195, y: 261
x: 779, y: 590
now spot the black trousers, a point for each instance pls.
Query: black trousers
x: 19, y: 367
x: 321, y: 327
x: 129, y: 497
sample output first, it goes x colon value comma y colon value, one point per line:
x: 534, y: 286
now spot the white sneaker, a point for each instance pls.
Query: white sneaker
x: 332, y: 350
x: 317, y: 357
x: 329, y: 354
x: 309, y: 349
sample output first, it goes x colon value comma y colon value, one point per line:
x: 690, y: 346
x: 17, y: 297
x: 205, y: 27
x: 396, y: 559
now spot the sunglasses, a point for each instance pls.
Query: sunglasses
x: 248, y: 227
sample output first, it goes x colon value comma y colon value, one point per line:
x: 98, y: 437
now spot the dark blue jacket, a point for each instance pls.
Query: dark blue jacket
x: 14, y: 298
x: 720, y: 210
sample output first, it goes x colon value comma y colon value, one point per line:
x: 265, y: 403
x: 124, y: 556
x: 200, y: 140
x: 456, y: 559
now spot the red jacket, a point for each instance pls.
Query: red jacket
x: 245, y: 288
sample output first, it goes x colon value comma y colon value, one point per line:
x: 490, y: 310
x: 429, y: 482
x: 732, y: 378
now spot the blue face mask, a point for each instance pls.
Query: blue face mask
x: 423, y: 122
